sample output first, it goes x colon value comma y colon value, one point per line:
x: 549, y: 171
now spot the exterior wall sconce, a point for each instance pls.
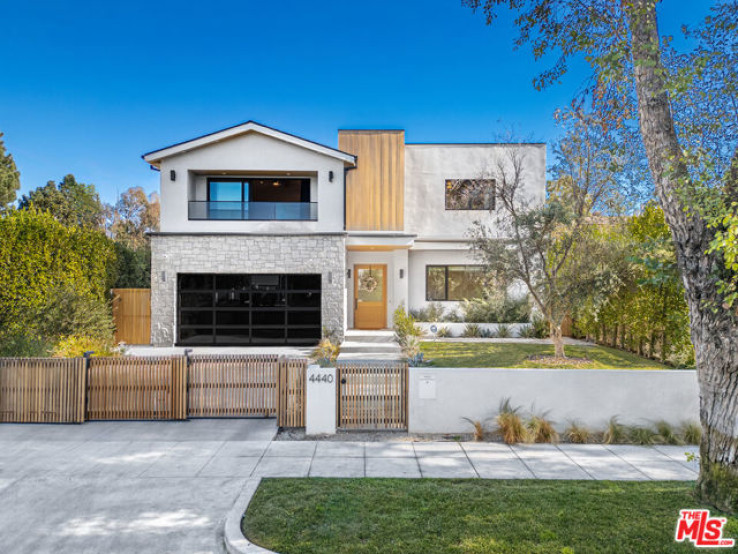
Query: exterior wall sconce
x: 402, y: 273
x: 163, y: 276
x: 172, y: 175
x: 348, y: 273
x: 330, y: 277
x: 330, y: 176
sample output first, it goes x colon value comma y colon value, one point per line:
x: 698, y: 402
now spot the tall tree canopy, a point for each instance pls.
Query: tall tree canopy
x: 9, y: 178
x: 133, y: 216
x: 70, y: 202
x: 683, y: 107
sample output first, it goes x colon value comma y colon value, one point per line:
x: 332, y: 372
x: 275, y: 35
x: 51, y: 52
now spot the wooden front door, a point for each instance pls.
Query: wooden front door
x: 370, y: 296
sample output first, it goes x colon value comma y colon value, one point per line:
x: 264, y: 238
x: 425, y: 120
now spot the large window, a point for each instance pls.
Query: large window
x: 453, y: 282
x: 259, y: 190
x: 470, y: 194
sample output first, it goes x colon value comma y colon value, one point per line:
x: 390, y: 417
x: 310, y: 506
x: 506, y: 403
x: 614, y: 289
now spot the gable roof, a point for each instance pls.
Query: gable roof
x: 155, y: 157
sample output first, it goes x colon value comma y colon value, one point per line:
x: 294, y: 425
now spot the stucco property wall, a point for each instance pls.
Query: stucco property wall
x: 440, y: 397
x: 173, y: 254
x: 255, y: 154
x: 427, y: 166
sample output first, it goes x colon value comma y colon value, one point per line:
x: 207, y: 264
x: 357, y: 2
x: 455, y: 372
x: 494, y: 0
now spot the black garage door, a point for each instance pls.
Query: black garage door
x: 255, y: 309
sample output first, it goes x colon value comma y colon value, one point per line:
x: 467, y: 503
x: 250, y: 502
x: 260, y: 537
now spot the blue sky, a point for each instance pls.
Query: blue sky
x: 87, y: 87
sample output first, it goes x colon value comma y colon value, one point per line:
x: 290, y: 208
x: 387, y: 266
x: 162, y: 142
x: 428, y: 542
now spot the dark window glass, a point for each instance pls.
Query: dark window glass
x: 268, y: 299
x: 232, y: 336
x: 313, y: 333
x: 267, y: 318
x: 196, y: 299
x: 196, y: 336
x: 238, y: 282
x: 235, y: 317
x: 232, y: 299
x: 456, y: 282
x: 197, y: 318
x: 268, y: 335
x: 195, y: 282
x: 304, y: 300
x: 267, y: 282
x: 311, y: 317
x: 470, y: 194
x: 435, y: 282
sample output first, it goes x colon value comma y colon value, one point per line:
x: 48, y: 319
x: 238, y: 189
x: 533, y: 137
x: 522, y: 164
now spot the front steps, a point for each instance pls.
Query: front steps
x: 369, y: 345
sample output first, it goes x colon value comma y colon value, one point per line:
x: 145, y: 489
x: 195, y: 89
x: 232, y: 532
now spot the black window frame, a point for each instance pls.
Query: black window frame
x: 492, y: 197
x: 445, y: 280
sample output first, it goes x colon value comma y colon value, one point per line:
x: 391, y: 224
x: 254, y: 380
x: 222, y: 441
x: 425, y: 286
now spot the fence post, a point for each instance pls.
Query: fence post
x: 87, y: 356
x: 179, y: 386
x: 320, y: 400
x: 281, y: 391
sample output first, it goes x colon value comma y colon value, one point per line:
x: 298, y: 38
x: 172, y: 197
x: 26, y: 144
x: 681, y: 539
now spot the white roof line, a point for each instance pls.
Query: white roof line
x: 157, y: 155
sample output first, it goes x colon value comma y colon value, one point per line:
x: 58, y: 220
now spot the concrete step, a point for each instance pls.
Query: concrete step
x: 368, y: 356
x: 351, y: 346
x: 357, y: 335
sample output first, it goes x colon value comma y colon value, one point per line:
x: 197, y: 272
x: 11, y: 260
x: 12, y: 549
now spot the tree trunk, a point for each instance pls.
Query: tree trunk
x: 713, y: 329
x: 557, y: 337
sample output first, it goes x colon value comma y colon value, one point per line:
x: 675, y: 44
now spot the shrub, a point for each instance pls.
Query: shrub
x: 19, y: 344
x: 510, y: 425
x: 666, y: 435
x: 503, y: 331
x: 74, y: 346
x: 642, y: 435
x: 406, y: 332
x: 478, y: 428
x: 326, y: 353
x: 444, y: 332
x: 540, y: 326
x: 691, y: 432
x: 497, y: 308
x: 452, y: 317
x: 615, y: 432
x: 577, y: 433
x: 471, y: 330
x: 528, y: 332
x: 432, y: 312
x: 68, y: 312
x: 541, y: 429
x: 486, y: 333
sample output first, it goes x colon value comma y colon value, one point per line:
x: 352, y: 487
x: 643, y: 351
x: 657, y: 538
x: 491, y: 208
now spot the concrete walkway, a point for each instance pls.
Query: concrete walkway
x: 167, y: 486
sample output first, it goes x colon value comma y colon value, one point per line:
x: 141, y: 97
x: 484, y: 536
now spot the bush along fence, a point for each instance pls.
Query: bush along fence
x: 74, y: 390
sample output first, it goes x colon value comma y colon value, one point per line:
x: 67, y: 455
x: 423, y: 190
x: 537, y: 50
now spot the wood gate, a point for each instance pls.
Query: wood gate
x: 132, y: 315
x: 372, y: 395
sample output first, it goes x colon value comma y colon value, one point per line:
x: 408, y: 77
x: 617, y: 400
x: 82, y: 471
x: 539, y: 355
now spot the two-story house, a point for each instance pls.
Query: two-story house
x: 266, y: 238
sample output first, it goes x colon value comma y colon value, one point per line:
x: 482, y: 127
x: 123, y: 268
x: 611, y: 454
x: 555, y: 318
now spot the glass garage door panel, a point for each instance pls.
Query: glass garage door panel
x: 249, y: 309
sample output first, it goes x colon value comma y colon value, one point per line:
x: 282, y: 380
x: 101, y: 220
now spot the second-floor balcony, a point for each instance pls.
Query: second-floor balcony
x: 252, y: 211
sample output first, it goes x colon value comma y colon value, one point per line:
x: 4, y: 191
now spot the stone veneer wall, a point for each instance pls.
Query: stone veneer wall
x: 175, y: 254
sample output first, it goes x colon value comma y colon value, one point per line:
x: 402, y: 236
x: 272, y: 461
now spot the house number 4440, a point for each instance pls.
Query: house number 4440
x: 321, y: 378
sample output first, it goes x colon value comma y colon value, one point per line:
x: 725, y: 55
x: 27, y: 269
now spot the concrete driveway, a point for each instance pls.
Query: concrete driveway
x: 118, y: 487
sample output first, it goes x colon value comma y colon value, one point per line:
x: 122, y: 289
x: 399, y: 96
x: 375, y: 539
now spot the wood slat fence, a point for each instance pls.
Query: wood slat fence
x: 137, y: 388
x: 146, y: 388
x: 372, y: 395
x: 232, y: 386
x: 132, y: 315
x: 42, y: 390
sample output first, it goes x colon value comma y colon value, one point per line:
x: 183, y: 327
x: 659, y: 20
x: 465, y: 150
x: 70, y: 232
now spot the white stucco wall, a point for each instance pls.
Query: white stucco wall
x: 251, y: 153
x: 427, y: 166
x: 592, y: 397
x: 397, y: 288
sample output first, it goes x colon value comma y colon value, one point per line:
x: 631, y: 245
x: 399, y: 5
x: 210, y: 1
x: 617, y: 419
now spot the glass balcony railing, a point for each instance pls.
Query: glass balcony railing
x: 253, y: 211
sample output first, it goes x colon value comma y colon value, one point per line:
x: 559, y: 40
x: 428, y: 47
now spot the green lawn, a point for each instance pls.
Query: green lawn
x: 479, y: 354
x: 427, y: 516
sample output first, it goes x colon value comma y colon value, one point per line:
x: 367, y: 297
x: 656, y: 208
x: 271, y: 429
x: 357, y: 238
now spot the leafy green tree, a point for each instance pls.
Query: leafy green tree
x: 70, y: 202
x: 132, y: 268
x: 9, y: 178
x: 133, y: 217
x: 633, y: 86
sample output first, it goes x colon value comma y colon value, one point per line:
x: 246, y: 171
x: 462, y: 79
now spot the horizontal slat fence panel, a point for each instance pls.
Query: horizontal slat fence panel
x: 42, y: 390
x: 232, y: 386
x: 292, y: 372
x: 137, y: 388
x: 372, y: 395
